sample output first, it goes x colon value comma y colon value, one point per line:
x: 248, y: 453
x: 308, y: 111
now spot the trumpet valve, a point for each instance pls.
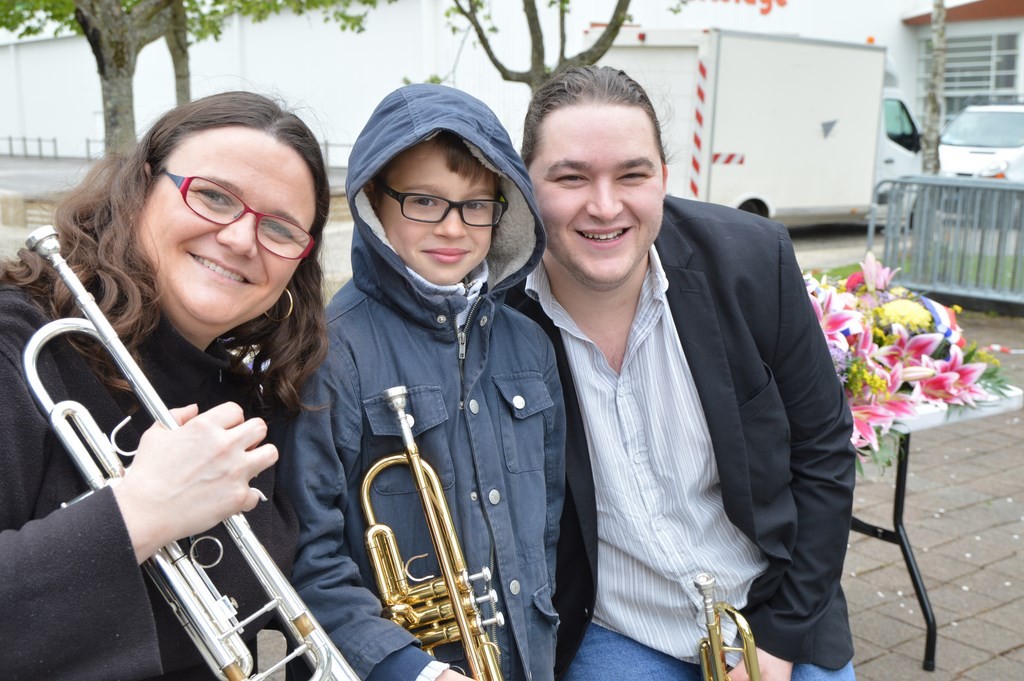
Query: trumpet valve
x: 498, y: 619
x: 490, y: 597
x: 484, y: 574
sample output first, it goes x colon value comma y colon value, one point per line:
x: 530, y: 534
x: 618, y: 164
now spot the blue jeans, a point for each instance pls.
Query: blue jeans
x: 606, y: 656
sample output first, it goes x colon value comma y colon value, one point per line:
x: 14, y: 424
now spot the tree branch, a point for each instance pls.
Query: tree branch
x: 467, y: 8
x: 537, y: 66
x: 150, y: 20
x: 607, y: 37
x: 561, y: 31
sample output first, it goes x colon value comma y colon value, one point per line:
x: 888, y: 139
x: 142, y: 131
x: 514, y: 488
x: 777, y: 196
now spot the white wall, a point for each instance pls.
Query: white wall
x: 49, y: 87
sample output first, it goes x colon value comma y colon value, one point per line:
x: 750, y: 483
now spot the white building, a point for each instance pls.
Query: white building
x: 50, y: 93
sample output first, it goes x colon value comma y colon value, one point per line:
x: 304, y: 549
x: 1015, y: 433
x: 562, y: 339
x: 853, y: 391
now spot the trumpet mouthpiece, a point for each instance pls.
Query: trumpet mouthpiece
x: 704, y: 580
x: 43, y: 241
x: 396, y: 397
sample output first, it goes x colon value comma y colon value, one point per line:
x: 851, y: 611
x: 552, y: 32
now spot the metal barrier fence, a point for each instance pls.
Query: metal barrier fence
x: 28, y: 146
x: 951, y: 235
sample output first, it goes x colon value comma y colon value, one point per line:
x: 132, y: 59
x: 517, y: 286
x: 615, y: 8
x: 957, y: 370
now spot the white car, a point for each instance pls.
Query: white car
x: 985, y: 141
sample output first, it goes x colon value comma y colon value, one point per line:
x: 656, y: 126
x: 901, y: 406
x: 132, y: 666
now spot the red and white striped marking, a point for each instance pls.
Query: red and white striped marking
x: 729, y: 159
x: 698, y: 128
x: 1002, y: 348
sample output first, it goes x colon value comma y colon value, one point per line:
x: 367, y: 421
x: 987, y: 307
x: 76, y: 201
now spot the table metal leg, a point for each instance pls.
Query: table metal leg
x: 898, y: 536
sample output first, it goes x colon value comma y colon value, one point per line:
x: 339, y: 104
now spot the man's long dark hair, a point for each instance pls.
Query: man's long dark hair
x: 585, y: 85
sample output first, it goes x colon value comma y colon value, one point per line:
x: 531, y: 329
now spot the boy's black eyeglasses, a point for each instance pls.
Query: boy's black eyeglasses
x: 427, y: 208
x: 219, y: 205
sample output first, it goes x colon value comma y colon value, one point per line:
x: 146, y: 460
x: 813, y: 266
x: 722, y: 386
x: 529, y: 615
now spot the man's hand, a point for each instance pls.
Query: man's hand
x: 772, y: 668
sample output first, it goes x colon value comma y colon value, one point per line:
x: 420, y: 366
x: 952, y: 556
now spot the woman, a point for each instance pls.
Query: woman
x: 200, y: 245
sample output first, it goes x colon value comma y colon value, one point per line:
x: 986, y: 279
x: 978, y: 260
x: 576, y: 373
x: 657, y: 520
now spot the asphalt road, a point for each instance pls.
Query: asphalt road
x: 827, y: 246
x: 40, y: 176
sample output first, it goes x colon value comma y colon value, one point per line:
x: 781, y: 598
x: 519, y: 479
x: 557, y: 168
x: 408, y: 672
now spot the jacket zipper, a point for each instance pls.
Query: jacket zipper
x: 494, y: 607
x: 463, y: 336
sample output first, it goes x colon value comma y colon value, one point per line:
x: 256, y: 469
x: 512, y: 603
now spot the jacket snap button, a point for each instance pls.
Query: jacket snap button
x: 518, y: 402
x: 513, y: 587
x: 483, y: 321
x: 441, y: 319
x: 474, y: 406
x: 494, y: 496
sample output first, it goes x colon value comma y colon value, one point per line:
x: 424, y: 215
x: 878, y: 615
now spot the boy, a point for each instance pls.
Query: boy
x: 445, y: 224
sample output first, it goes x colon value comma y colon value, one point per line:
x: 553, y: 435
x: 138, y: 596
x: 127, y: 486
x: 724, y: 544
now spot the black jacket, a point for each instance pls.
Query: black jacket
x: 75, y: 604
x: 778, y: 422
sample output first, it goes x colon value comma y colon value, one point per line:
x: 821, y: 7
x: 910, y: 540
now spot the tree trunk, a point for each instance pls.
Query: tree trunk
x: 933, y: 100
x: 116, y: 36
x: 177, y: 45
x: 118, y: 108
x: 105, y: 27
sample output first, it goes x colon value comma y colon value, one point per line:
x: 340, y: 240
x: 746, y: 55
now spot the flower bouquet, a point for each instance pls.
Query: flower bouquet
x: 895, y: 350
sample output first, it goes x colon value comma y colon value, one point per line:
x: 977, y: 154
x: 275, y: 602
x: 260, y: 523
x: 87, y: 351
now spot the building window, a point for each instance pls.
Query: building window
x: 978, y: 68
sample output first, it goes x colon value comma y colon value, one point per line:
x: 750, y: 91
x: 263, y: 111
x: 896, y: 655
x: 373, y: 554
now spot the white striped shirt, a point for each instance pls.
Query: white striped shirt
x: 661, y: 520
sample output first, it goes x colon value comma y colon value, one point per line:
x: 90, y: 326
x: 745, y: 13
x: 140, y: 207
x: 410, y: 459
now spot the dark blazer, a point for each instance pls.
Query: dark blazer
x: 778, y: 421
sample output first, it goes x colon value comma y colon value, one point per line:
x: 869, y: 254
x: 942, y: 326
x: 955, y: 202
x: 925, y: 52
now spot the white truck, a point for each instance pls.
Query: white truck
x: 794, y: 129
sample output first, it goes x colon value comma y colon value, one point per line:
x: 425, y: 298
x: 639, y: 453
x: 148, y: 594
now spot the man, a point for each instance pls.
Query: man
x: 707, y: 430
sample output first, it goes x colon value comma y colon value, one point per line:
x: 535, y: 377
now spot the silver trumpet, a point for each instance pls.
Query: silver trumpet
x: 208, y: 617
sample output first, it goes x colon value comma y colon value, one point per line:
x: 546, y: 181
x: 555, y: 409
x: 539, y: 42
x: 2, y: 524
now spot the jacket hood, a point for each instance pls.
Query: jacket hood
x: 405, y: 118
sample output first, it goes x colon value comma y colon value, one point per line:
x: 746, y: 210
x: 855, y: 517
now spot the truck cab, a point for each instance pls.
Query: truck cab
x: 899, y: 143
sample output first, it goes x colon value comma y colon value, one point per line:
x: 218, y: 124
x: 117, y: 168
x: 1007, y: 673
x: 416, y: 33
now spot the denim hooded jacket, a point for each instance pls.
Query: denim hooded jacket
x: 491, y: 424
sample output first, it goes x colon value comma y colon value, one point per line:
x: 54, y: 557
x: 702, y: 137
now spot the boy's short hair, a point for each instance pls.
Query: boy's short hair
x: 458, y: 157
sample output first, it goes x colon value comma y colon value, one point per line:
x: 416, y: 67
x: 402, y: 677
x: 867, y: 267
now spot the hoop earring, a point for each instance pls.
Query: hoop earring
x: 291, y: 308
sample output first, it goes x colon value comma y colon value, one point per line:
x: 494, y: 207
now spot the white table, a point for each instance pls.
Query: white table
x: 927, y: 416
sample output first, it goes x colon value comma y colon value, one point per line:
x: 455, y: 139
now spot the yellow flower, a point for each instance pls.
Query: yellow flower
x: 911, y: 314
x: 986, y: 357
x: 861, y: 381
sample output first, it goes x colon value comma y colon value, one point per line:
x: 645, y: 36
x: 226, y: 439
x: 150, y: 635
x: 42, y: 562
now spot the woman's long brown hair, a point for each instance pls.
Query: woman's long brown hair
x: 96, y: 225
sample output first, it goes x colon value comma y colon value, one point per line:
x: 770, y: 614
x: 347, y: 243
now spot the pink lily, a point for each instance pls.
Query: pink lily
x: 954, y: 382
x: 900, y: 404
x: 908, y: 349
x: 865, y: 346
x: 868, y: 421
x: 877, y: 277
x: 835, y: 314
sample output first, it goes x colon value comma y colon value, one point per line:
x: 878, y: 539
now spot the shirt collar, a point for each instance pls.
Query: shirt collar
x: 469, y: 287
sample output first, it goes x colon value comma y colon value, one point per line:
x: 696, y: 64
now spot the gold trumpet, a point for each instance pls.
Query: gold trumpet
x: 712, y: 649
x: 209, y: 618
x: 443, y: 609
